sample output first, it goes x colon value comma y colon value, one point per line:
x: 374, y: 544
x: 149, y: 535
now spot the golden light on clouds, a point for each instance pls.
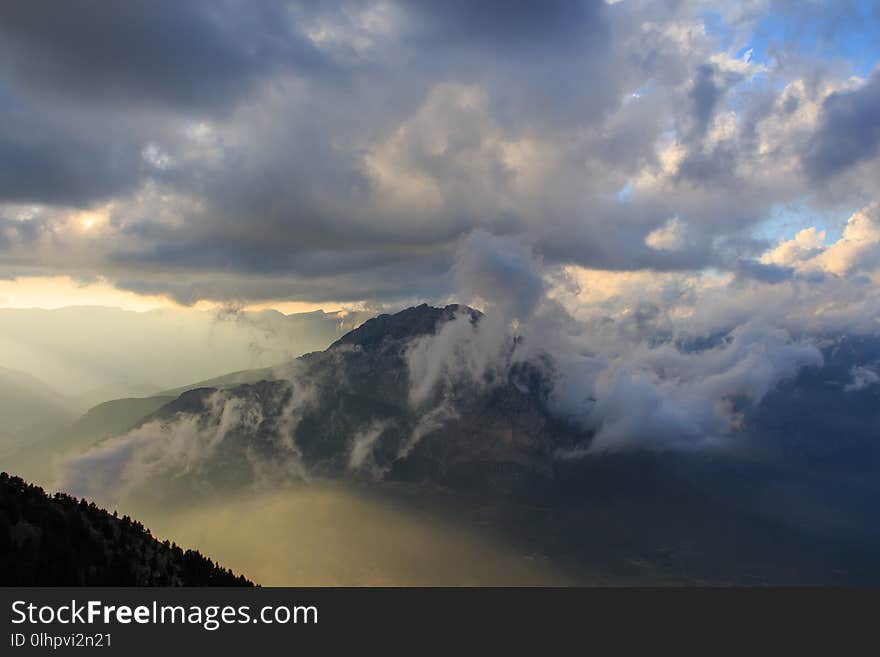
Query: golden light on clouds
x: 52, y: 292
x: 291, y: 307
x: 91, y: 220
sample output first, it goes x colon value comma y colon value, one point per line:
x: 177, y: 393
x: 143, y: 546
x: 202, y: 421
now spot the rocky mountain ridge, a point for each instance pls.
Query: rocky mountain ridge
x: 347, y: 411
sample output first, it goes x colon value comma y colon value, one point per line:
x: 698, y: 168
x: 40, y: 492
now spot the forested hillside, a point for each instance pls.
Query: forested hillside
x: 58, y: 540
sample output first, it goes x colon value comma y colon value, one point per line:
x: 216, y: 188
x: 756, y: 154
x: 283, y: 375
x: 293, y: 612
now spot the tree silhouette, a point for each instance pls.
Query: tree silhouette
x: 61, y: 541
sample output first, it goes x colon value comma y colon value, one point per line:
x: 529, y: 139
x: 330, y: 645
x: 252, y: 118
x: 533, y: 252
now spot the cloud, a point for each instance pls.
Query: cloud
x: 199, y: 56
x: 103, y: 348
x: 705, y: 96
x: 857, y: 250
x: 805, y: 245
x: 625, y: 388
x: 341, y: 151
x: 183, y: 447
x: 44, y: 161
x: 863, y: 376
x: 848, y: 132
x: 360, y: 457
x: 859, y: 247
x: 500, y: 270
x: 676, y: 399
x: 679, y: 363
x: 669, y: 237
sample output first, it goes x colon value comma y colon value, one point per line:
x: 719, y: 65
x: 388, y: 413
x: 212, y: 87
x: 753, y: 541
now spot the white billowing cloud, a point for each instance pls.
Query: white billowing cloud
x: 360, y: 456
x: 670, y: 236
x: 501, y: 271
x: 184, y: 444
x: 661, y: 397
x: 863, y: 376
x: 457, y: 350
x: 429, y: 420
x: 497, y: 273
x: 806, y: 244
x: 611, y: 376
x: 857, y: 250
x: 859, y: 247
x: 744, y: 65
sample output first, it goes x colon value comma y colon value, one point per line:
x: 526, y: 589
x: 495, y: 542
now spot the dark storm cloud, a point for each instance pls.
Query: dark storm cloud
x: 545, y: 62
x: 295, y: 198
x: 401, y: 279
x: 341, y: 150
x: 705, y: 96
x: 770, y: 274
x: 289, y: 194
x: 14, y: 232
x: 506, y: 24
x: 43, y: 161
x: 848, y: 133
x: 257, y: 258
x: 620, y: 245
x: 85, y: 86
x: 717, y: 166
x: 197, y: 55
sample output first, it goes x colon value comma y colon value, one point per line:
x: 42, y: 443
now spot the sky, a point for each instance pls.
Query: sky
x: 672, y: 204
x: 305, y: 155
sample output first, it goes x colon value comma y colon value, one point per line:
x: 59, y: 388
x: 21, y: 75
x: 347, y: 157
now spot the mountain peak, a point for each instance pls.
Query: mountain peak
x: 409, y: 323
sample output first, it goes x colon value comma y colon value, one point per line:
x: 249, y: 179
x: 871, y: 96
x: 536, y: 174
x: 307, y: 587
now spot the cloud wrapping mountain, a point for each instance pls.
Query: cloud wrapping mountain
x: 686, y: 372
x: 624, y: 391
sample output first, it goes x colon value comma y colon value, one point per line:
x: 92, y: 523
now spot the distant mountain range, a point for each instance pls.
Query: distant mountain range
x: 30, y: 410
x: 61, y: 541
x: 94, y: 354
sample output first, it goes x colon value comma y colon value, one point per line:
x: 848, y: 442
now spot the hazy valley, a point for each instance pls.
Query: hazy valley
x: 341, y: 468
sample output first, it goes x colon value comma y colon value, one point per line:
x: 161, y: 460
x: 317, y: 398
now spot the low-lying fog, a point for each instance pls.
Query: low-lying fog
x: 329, y: 535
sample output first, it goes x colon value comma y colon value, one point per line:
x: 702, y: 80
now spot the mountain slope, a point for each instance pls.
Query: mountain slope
x: 100, y: 353
x: 29, y: 410
x: 225, y: 381
x: 36, y: 459
x: 120, y: 415
x: 347, y: 411
x: 402, y: 326
x: 60, y: 541
x: 108, y: 419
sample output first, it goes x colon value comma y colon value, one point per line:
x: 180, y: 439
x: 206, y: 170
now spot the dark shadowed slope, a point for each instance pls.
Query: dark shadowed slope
x: 61, y: 541
x: 347, y: 411
x: 405, y: 325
